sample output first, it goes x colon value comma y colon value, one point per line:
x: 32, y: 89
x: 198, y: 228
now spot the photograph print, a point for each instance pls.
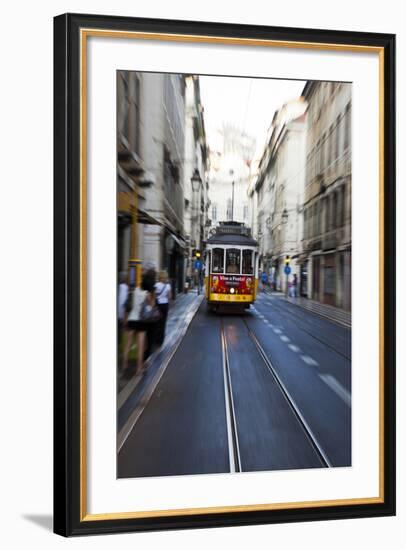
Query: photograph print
x: 233, y: 274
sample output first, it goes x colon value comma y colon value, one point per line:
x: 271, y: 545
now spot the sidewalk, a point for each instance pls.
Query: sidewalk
x: 131, y: 391
x: 330, y: 312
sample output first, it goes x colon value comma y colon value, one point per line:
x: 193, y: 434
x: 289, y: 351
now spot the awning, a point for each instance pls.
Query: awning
x: 144, y: 217
x: 181, y: 242
x: 125, y: 205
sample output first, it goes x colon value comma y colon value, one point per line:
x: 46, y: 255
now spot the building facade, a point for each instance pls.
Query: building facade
x: 230, y: 174
x: 151, y: 145
x: 326, y: 256
x: 279, y: 188
x: 196, y: 182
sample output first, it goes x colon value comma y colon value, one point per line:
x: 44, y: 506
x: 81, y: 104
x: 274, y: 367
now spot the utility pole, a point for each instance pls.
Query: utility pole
x: 232, y: 194
x: 232, y: 202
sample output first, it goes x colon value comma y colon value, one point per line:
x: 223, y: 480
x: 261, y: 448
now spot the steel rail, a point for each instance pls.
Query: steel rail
x: 291, y: 402
x: 232, y: 433
x: 300, y: 326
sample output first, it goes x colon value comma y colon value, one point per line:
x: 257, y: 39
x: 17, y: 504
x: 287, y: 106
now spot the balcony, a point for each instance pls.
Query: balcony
x: 329, y: 240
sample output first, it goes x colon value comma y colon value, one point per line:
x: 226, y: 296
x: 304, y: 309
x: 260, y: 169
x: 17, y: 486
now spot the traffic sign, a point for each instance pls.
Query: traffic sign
x: 198, y: 265
x: 287, y: 270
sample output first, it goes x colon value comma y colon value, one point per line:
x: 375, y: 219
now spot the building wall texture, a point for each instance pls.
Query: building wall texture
x: 153, y: 170
x: 327, y: 199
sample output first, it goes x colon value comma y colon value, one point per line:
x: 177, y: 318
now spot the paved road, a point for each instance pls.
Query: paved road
x: 263, y: 391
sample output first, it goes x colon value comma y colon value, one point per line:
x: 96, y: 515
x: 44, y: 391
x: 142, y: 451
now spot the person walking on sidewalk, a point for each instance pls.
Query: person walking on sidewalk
x: 122, y: 305
x: 294, y: 285
x: 163, y: 293
x: 144, y: 296
x: 264, y: 280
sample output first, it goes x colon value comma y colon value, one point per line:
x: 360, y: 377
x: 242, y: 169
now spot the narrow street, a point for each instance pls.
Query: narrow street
x: 267, y: 390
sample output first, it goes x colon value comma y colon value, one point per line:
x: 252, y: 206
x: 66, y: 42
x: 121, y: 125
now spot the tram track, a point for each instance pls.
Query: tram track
x: 289, y: 315
x: 240, y: 415
x: 289, y: 399
x: 232, y: 432
x: 235, y: 453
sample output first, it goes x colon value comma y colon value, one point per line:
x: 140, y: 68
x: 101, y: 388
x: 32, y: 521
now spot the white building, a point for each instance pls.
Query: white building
x: 195, y: 172
x: 326, y: 257
x: 229, y: 177
x: 161, y: 144
x: 279, y: 188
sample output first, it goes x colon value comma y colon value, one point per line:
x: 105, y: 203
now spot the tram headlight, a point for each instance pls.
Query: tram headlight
x: 232, y: 290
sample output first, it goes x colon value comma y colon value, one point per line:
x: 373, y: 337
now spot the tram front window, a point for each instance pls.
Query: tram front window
x: 218, y: 260
x: 233, y: 260
x: 247, y: 265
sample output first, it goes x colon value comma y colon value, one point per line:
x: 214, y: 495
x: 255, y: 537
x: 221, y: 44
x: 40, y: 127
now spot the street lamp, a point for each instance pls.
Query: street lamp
x: 196, y: 180
x: 196, y: 183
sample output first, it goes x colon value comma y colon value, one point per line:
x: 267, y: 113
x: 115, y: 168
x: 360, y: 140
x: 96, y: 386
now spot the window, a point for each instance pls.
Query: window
x: 311, y: 220
x: 247, y: 266
x: 207, y: 262
x: 338, y: 137
x: 323, y: 153
x: 347, y: 127
x: 214, y: 212
x: 342, y: 218
x: 330, y: 145
x: 233, y: 258
x: 315, y: 214
x: 218, y: 260
x: 325, y: 214
x: 126, y: 102
x: 245, y: 212
x: 229, y: 215
x: 137, y: 116
x: 334, y: 220
x: 318, y: 157
x: 306, y: 233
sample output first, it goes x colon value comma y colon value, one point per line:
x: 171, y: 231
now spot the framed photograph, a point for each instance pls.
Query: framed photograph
x: 224, y: 254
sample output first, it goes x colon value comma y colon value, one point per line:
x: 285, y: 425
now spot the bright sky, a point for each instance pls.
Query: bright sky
x: 248, y: 103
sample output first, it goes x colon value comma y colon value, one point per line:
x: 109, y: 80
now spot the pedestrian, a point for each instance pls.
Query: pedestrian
x: 163, y: 293
x: 122, y: 301
x: 264, y: 280
x: 143, y: 300
x: 294, y: 285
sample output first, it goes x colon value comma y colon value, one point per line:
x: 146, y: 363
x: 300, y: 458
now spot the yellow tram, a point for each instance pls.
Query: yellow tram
x: 231, y: 266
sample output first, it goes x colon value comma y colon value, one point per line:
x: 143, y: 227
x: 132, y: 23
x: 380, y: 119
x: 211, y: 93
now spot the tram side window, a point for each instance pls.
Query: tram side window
x: 218, y: 260
x: 247, y: 265
x: 207, y: 262
x: 233, y: 256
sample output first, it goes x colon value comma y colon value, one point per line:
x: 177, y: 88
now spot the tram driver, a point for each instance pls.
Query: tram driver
x: 232, y: 267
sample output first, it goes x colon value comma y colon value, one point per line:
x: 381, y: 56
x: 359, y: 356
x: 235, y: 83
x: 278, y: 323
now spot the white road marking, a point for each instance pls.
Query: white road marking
x: 294, y: 348
x: 309, y: 360
x: 337, y: 388
x: 277, y: 331
x: 284, y: 338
